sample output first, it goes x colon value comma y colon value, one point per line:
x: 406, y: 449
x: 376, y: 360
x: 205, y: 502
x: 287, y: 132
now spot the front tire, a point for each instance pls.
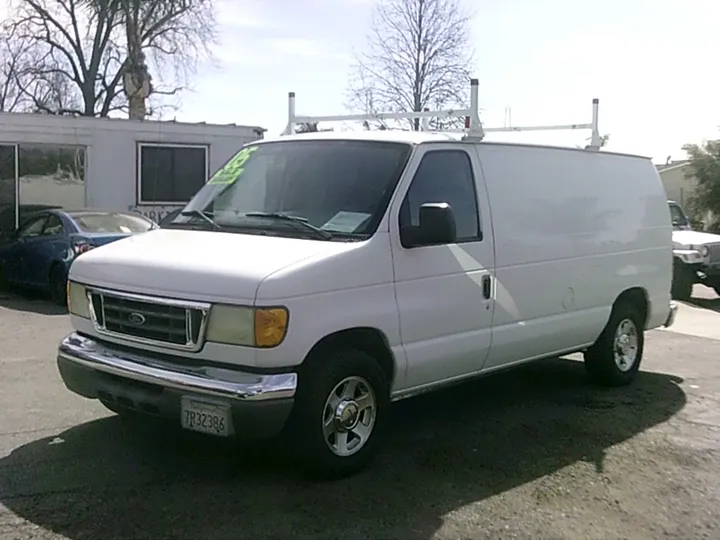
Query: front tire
x: 340, y: 413
x: 614, y: 359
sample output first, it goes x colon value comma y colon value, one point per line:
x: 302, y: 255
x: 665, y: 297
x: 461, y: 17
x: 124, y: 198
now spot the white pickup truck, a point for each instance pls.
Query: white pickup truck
x: 316, y: 278
x: 696, y: 256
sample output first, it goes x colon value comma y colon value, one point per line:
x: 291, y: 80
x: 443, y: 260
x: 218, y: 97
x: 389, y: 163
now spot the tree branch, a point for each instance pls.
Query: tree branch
x: 74, y: 53
x: 418, y: 56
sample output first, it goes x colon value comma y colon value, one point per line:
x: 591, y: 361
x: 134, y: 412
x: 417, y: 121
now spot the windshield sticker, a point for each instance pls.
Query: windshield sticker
x: 346, y: 222
x: 233, y: 168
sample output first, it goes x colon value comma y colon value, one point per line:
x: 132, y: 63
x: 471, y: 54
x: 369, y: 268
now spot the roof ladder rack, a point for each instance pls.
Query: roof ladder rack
x: 473, y: 127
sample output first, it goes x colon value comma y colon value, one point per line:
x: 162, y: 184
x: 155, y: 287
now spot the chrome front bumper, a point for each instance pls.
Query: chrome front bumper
x: 227, y: 384
x: 671, y: 315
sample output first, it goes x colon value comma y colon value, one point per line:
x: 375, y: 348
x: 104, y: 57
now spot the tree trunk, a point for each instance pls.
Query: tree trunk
x: 137, y: 78
x: 137, y: 108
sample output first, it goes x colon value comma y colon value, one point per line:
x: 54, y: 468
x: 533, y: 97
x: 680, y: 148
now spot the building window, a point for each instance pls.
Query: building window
x: 50, y: 176
x: 170, y: 174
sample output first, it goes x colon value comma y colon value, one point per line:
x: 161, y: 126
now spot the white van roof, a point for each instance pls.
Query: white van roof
x: 400, y: 136
x: 414, y: 138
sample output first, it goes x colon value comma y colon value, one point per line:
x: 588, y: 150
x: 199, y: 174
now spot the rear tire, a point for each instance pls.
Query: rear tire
x: 682, y: 282
x: 614, y: 359
x: 58, y: 285
x: 341, y: 410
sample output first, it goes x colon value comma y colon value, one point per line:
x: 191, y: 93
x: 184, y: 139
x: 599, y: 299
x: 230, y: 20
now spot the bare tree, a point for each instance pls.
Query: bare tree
x: 418, y: 56
x: 87, y: 57
x: 11, y: 52
x: 174, y: 32
x: 310, y: 127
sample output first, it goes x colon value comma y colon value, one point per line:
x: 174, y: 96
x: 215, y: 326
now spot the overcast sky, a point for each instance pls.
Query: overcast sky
x: 652, y: 63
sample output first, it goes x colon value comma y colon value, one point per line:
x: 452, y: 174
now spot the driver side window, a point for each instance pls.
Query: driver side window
x: 445, y: 176
x: 33, y: 228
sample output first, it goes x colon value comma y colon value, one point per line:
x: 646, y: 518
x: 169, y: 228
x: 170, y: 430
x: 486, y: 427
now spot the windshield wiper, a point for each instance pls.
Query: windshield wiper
x: 325, y: 235
x: 202, y: 215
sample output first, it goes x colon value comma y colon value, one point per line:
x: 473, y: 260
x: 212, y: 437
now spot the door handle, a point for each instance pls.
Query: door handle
x: 486, y: 286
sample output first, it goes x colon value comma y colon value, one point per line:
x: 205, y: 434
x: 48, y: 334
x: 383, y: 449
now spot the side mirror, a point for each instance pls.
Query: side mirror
x: 437, y: 226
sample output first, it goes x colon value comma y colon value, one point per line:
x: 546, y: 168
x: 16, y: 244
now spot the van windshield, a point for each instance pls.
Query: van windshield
x: 328, y: 189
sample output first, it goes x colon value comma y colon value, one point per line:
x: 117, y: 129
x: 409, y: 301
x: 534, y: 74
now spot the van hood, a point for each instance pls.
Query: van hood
x: 694, y: 238
x: 195, y: 265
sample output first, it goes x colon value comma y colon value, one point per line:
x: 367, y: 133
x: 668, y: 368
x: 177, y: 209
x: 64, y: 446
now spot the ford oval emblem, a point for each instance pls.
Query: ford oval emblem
x: 136, y: 319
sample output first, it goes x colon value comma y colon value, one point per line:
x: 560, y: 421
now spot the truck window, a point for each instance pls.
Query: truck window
x: 444, y: 176
x: 678, y: 216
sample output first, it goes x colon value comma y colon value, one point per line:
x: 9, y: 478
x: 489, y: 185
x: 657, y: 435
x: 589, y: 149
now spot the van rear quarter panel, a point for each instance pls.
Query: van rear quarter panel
x: 573, y: 229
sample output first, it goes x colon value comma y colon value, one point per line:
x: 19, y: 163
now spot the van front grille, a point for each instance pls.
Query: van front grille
x: 151, y: 320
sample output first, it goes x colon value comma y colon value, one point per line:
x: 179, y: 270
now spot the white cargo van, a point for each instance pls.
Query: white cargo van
x: 317, y: 278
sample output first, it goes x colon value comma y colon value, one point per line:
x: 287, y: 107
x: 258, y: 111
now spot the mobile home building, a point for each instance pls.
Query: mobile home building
x: 151, y: 167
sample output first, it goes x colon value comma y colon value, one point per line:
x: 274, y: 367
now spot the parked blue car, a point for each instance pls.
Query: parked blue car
x: 39, y: 255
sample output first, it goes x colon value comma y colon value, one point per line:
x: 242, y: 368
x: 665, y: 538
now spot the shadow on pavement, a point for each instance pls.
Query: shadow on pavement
x: 704, y: 297
x: 109, y: 479
x: 712, y: 304
x: 30, y: 301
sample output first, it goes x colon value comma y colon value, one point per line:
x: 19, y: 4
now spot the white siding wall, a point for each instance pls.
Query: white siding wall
x: 111, y: 158
x: 677, y: 187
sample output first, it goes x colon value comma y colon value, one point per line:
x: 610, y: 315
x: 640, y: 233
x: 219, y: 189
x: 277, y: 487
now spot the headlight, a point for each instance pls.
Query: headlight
x: 77, y: 301
x: 252, y: 327
x: 704, y: 250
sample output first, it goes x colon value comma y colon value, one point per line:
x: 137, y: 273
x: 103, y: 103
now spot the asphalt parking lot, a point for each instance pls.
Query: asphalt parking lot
x: 536, y: 453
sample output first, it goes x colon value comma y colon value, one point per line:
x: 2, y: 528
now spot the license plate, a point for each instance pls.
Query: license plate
x: 206, y: 417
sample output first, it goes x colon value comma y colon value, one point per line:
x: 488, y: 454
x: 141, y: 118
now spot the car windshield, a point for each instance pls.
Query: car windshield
x: 322, y: 189
x: 678, y: 216
x: 99, y: 222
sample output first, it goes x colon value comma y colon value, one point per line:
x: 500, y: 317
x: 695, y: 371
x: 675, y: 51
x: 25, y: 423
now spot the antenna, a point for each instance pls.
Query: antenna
x: 473, y: 127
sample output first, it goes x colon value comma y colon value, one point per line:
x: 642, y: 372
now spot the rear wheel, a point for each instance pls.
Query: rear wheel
x: 340, y: 413
x: 58, y: 285
x: 614, y: 359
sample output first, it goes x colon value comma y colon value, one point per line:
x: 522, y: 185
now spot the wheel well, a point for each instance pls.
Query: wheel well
x: 369, y: 340
x: 637, y: 297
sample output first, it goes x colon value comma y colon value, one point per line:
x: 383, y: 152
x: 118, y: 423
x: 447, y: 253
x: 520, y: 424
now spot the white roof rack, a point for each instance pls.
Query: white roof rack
x: 473, y: 127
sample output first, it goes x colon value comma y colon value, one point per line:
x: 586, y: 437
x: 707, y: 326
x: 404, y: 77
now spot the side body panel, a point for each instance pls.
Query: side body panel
x: 573, y: 230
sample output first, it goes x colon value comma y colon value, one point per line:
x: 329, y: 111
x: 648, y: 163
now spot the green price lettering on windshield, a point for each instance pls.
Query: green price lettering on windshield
x: 233, y: 168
